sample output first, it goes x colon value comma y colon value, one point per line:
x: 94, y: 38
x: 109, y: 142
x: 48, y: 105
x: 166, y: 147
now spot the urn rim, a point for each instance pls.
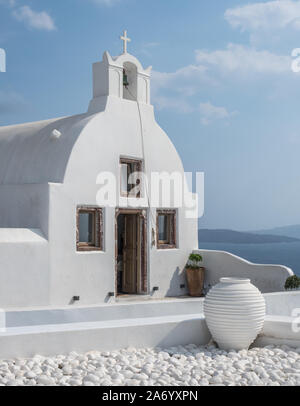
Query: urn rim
x: 235, y: 280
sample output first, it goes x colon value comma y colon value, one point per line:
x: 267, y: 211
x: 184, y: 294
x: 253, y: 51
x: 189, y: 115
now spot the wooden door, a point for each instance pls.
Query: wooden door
x: 130, y: 255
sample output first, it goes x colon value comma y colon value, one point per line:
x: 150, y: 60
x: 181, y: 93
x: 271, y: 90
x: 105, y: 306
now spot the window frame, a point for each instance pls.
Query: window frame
x: 97, y: 244
x: 171, y: 243
x: 139, y: 164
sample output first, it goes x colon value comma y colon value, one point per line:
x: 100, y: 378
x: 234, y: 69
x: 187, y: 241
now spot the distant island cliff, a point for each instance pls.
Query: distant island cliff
x: 288, y: 231
x: 239, y: 237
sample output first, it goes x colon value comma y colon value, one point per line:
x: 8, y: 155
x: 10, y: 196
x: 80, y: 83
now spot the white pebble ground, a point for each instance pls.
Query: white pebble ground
x: 183, y: 365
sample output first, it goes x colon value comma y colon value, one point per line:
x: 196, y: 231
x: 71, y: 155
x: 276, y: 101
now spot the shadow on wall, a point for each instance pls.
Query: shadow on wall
x: 108, y: 298
x: 187, y: 332
x: 178, y: 278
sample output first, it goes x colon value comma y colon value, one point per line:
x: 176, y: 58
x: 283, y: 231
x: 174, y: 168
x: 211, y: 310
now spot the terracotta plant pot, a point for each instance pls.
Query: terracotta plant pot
x: 195, y: 279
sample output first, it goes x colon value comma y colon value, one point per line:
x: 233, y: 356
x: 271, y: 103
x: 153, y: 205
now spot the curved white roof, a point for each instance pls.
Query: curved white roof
x: 88, y: 145
x: 76, y: 149
x: 28, y: 153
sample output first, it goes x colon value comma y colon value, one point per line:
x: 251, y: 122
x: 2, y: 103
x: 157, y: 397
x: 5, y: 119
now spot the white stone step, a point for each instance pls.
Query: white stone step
x: 105, y: 327
x: 103, y: 312
x: 163, y: 331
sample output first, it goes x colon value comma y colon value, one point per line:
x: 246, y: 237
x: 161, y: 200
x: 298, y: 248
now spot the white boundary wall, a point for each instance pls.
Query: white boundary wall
x: 282, y: 324
x: 140, y: 324
x: 267, y: 278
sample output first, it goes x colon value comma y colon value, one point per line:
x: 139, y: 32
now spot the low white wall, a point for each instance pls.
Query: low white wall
x: 279, y: 330
x: 150, y: 323
x: 163, y: 332
x: 267, y: 278
x: 38, y: 316
x: 24, y: 271
x: 282, y: 303
x: 281, y: 324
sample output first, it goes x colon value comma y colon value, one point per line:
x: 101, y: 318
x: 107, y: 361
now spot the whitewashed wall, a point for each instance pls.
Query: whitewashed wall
x: 282, y: 303
x: 24, y: 268
x: 267, y: 278
x: 87, y: 147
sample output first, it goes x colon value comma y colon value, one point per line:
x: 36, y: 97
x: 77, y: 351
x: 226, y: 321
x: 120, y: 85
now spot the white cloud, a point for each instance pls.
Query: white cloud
x: 105, y: 2
x: 34, y: 19
x: 164, y: 78
x: 210, y: 113
x: 221, y: 68
x: 178, y: 90
x: 9, y: 3
x: 146, y: 47
x: 211, y: 67
x: 172, y: 90
x: 176, y: 80
x: 172, y: 103
x: 151, y: 44
x: 269, y: 15
x: 242, y: 59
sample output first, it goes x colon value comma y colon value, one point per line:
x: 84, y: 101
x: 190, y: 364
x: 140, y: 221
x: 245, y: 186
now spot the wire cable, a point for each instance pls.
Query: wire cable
x: 152, y: 219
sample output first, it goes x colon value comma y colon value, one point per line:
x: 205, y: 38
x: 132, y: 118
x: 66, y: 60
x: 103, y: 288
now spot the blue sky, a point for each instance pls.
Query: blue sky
x: 222, y: 87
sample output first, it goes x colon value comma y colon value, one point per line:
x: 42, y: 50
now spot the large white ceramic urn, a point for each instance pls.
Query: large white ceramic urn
x: 235, y: 312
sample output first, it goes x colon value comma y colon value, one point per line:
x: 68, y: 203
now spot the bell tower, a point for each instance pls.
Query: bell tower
x: 123, y: 77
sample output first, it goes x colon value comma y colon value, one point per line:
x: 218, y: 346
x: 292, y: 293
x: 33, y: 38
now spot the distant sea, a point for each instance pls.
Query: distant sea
x: 272, y: 253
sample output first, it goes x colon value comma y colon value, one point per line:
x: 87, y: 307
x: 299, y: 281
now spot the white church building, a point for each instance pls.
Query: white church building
x: 58, y: 244
x: 81, y: 270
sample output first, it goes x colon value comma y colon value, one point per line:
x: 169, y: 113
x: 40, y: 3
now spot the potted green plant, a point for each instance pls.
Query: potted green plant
x: 195, y: 275
x: 292, y: 282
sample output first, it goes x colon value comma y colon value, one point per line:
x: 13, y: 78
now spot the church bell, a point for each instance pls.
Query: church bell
x: 125, y: 79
